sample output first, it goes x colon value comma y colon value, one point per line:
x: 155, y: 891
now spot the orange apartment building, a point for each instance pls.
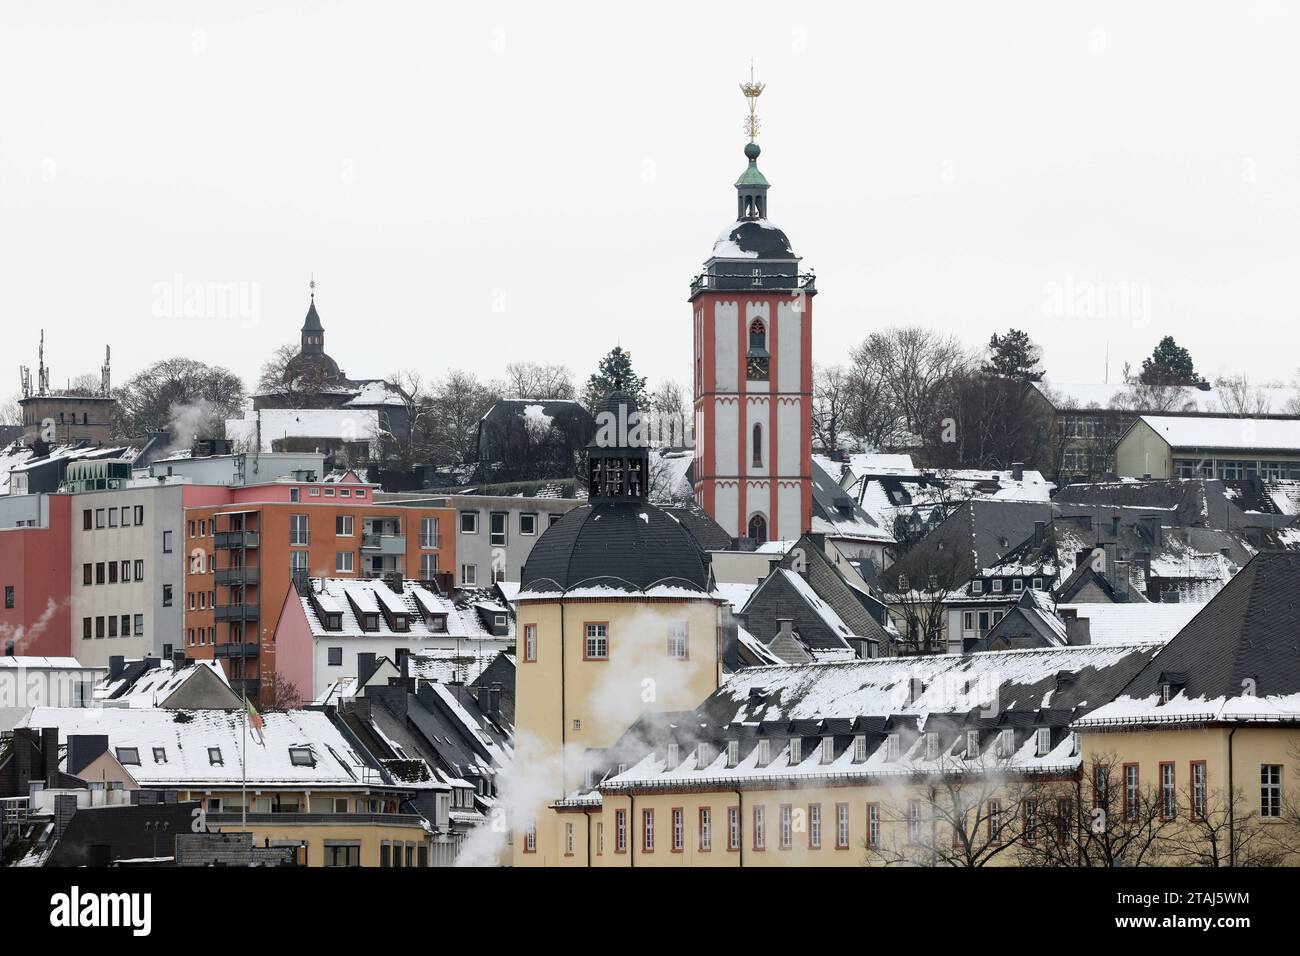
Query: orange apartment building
x: 244, y: 553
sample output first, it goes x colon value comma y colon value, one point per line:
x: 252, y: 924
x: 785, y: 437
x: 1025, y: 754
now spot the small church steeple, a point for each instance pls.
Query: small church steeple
x: 752, y: 186
x: 313, y: 333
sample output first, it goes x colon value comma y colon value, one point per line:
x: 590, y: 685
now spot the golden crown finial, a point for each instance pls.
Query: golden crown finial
x: 752, y: 90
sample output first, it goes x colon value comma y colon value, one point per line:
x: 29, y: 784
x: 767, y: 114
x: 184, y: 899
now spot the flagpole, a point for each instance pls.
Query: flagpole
x: 243, y: 769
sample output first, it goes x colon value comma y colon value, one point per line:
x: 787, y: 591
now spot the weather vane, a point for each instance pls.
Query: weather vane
x: 312, y: 284
x: 752, y: 90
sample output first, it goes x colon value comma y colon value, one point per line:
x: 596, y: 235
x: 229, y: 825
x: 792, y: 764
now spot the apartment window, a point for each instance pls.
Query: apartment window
x: 891, y: 747
x: 796, y: 750
x: 1043, y: 741
x: 126, y: 632
x: 499, y: 520
x: 733, y: 828
x: 295, y: 494
x: 468, y: 575
x: 343, y: 526
x: 342, y: 854
x: 99, y: 517
x: 1064, y: 812
x: 760, y: 828
x: 530, y: 643
x: 298, y: 529
x: 703, y: 755
x: 112, y: 572
x: 528, y: 524
x: 428, y: 532
x: 568, y: 839
x: 1198, y: 793
x: 596, y: 645
x: 997, y: 585
x: 139, y: 625
x: 335, y: 656
x: 815, y: 826
x: 112, y: 517
x: 167, y: 542
x: 343, y: 561
x: 787, y: 826
x: 931, y: 746
x: 677, y: 641
x: 167, y: 595
x: 995, y: 819
x: 733, y: 752
x: 1168, y: 799
x: 86, y: 628
x: 126, y: 571
x: 1131, y: 792
x: 86, y: 521
x: 1017, y: 585
x: 87, y: 574
x: 1038, y: 584
x: 297, y: 562
x: 99, y: 572
x: 1030, y: 811
x: 600, y: 839
x: 139, y: 515
x: 99, y: 627
x: 620, y: 831
x: 914, y: 821
x: 860, y: 748
x: 873, y: 825
x: 112, y: 625
x: 9, y: 595
x: 313, y: 492
x: 764, y: 752
x: 428, y: 567
x: 977, y: 587
x: 1270, y: 790
x: 679, y: 829
x: 648, y: 831
x: 469, y: 522
x: 139, y: 570
x: 128, y: 756
x: 1100, y: 785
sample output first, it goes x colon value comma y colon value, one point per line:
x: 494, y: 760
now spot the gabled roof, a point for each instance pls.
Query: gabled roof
x: 1258, y: 434
x: 1239, y: 657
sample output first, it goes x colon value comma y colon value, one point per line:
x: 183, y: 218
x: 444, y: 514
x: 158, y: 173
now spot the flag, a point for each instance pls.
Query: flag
x: 255, y: 720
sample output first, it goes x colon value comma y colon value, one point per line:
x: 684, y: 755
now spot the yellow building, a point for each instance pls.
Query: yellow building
x: 616, y: 617
x: 1199, y: 446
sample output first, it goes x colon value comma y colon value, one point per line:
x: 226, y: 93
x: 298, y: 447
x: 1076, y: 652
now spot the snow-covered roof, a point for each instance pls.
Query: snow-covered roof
x: 345, y: 424
x: 1256, y: 434
x: 449, y: 665
x: 416, y: 601
x: 1125, y: 623
x: 737, y: 595
x: 202, y: 747
x: 32, y: 662
x: 377, y: 392
x: 153, y: 687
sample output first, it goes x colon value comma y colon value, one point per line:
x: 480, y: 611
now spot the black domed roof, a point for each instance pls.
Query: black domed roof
x: 315, y: 367
x: 630, y: 546
x: 752, y: 239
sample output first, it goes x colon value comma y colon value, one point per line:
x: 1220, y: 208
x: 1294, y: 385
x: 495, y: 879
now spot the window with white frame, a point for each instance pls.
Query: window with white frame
x: 648, y: 831
x: 530, y: 642
x: 796, y: 750
x: 972, y: 744
x: 873, y: 824
x: 596, y: 645
x: 429, y: 533
x: 977, y: 586
x: 1270, y: 790
x: 1132, y: 794
x: 343, y: 561
x: 1168, y: 799
x: 841, y: 826
x: 568, y: 839
x: 997, y: 585
x: 931, y: 745
x: 679, y: 829
x: 620, y: 831
x: 860, y: 748
x: 677, y: 640
x: 706, y: 829
x: 1006, y: 743
x: 787, y: 826
x: 298, y: 529
x: 469, y: 522
x: 1198, y: 794
x: 703, y: 755
x: 828, y: 749
x: 733, y: 828
x: 428, y: 567
x: 892, y: 746
x: 528, y: 524
x: 815, y: 826
x: 1042, y: 741
x: 733, y: 752
x: 674, y: 756
x: 764, y: 752
x: 468, y: 575
x: 498, y: 527
x: 343, y: 526
x: 914, y: 821
x: 760, y: 828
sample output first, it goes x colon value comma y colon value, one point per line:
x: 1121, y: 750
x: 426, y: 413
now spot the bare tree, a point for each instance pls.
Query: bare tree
x: 966, y: 814
x: 918, y: 588
x: 11, y: 413
x: 670, y: 414
x: 178, y: 395
x: 280, y: 693
x: 1213, y: 830
x: 535, y: 380
x: 459, y: 401
x: 911, y: 366
x: 1237, y: 396
x: 832, y: 394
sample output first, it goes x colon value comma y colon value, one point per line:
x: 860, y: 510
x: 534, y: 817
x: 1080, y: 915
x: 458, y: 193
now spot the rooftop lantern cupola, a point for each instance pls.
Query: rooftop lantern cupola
x: 618, y: 458
x: 313, y: 333
x: 752, y: 186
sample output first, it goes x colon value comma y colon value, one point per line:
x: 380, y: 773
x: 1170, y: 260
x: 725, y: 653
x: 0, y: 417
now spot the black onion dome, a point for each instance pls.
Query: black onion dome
x: 314, y: 367
x: 630, y: 546
x: 753, y: 239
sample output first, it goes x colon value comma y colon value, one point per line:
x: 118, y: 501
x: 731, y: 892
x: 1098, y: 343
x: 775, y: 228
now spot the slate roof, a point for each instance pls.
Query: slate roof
x: 710, y: 535
x: 624, y: 546
x: 837, y: 514
x: 1239, y: 658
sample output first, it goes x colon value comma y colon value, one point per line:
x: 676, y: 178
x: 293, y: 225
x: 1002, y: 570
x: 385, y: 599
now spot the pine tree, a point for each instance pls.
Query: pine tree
x: 1014, y: 356
x: 1169, y: 364
x: 614, y: 372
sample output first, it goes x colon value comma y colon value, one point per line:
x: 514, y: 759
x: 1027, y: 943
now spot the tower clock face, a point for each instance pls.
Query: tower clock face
x: 757, y: 368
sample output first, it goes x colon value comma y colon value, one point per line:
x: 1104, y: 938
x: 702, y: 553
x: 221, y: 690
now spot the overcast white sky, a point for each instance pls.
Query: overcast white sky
x: 476, y: 184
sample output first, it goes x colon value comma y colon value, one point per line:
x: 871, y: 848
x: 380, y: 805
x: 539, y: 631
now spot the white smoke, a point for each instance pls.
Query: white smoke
x: 24, y: 637
x: 188, y: 421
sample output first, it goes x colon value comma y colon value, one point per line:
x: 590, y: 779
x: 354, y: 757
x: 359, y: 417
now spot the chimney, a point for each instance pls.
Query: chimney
x: 785, y: 627
x: 1077, y: 631
x: 493, y: 708
x: 178, y: 659
x: 730, y: 639
x: 1017, y: 471
x: 403, y: 660
x: 150, y: 663
x: 65, y: 808
x: 1121, y: 582
x: 116, y: 664
x: 24, y: 742
x: 50, y: 753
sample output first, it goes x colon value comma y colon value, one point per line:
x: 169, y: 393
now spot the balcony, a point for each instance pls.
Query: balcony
x: 235, y: 612
x: 235, y: 539
x: 238, y: 649
x: 383, y: 543
x: 235, y: 576
x: 251, y: 686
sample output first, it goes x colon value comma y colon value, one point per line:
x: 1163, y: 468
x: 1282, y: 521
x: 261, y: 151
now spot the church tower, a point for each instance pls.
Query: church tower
x: 752, y: 314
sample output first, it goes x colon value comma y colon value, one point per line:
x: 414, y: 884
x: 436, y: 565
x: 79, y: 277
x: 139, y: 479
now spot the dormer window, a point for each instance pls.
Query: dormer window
x: 672, y: 760
x: 370, y: 622
x: 733, y: 752
x: 931, y: 746
x: 302, y: 757
x: 1043, y: 741
x: 1006, y: 743
x: 214, y: 757
x: 997, y: 585
x: 860, y: 748
x: 333, y: 622
x: 1075, y: 743
x: 1017, y: 585
x: 439, y: 624
x: 972, y: 744
x: 977, y: 586
x: 892, y: 747
x: 159, y: 755
x: 828, y: 749
x: 796, y: 750
x: 128, y: 756
x: 764, y: 752
x: 703, y: 755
